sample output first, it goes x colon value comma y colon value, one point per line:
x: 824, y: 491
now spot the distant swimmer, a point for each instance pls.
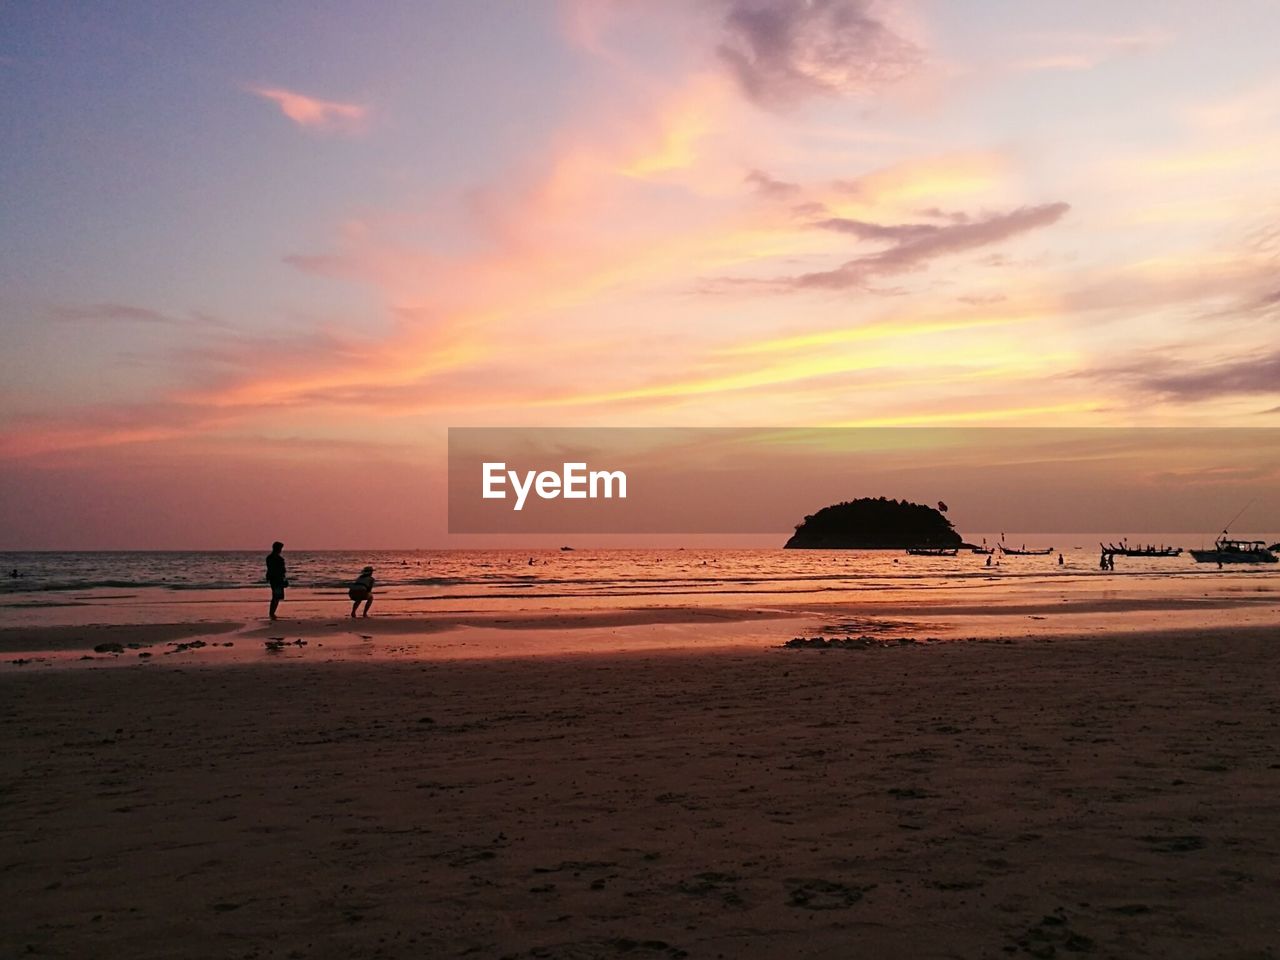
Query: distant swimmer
x: 362, y: 591
x: 276, y: 576
x: 1059, y: 559
x: 14, y: 574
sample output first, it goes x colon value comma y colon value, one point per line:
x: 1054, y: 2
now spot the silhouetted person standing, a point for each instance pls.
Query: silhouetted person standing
x: 362, y: 590
x: 276, y: 576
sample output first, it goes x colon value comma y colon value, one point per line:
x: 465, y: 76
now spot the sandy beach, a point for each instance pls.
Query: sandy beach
x: 1112, y: 795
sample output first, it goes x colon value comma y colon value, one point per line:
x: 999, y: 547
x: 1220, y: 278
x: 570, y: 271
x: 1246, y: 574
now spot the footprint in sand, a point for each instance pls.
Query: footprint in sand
x: 595, y: 948
x: 1044, y: 938
x: 1180, y: 844
x: 720, y: 886
x: 823, y: 894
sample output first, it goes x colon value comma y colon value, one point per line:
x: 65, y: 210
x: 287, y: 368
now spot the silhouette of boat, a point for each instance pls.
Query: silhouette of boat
x: 1024, y: 552
x: 932, y: 551
x: 1124, y: 550
x: 1227, y: 550
x: 984, y: 551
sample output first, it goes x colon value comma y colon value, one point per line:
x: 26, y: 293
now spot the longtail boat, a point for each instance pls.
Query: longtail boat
x: 1124, y: 550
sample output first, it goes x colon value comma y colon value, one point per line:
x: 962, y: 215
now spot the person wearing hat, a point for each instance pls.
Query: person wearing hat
x: 362, y: 590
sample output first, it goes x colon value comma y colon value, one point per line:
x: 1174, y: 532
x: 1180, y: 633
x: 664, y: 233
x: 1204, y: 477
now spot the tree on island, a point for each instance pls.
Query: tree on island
x: 874, y: 523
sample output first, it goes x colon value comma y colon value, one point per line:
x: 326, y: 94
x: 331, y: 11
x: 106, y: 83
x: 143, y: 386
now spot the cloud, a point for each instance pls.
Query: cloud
x: 1085, y: 51
x: 863, y: 230
x: 321, y: 264
x: 914, y: 245
x: 927, y: 180
x: 129, y: 313
x: 1253, y: 375
x: 103, y: 426
x: 955, y: 216
x: 1063, y: 61
x: 326, y: 116
x: 1225, y: 285
x: 782, y: 52
x: 767, y: 186
x: 110, y: 311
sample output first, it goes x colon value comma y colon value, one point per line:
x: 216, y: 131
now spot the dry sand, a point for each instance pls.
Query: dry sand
x: 1114, y: 797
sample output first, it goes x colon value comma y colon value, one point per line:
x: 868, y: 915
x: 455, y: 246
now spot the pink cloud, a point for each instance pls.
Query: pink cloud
x: 329, y: 116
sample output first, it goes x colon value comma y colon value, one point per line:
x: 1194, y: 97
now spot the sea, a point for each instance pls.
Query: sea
x: 78, y: 587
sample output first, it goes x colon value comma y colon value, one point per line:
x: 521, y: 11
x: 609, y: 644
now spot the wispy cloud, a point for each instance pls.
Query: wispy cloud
x: 768, y: 186
x: 785, y: 51
x: 1058, y: 61
x: 129, y: 313
x: 102, y: 426
x: 326, y: 116
x: 897, y: 232
x: 1084, y: 51
x: 923, y: 180
x: 913, y: 245
x: 1249, y: 375
x: 121, y: 312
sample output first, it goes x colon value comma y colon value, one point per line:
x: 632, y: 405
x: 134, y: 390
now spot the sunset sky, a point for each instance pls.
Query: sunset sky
x: 255, y: 259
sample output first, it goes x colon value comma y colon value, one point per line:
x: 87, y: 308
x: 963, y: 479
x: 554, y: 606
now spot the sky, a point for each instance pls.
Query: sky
x: 255, y: 260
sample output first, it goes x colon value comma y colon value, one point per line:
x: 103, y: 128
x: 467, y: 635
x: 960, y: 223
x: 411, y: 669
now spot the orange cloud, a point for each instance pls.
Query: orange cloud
x: 549, y: 261
x: 983, y: 416
x: 328, y: 116
x: 681, y: 126
x: 894, y: 327
x: 932, y: 179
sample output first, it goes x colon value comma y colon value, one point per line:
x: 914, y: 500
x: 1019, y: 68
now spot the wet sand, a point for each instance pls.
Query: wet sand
x: 1111, y: 797
x: 323, y: 633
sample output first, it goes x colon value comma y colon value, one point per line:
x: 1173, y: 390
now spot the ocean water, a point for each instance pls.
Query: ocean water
x: 588, y: 570
x: 430, y: 581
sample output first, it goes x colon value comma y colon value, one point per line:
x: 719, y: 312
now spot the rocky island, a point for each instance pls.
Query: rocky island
x: 874, y: 524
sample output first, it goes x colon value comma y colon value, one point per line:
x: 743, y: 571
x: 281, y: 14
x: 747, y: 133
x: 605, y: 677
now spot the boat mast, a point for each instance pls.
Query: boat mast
x: 1237, y: 516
